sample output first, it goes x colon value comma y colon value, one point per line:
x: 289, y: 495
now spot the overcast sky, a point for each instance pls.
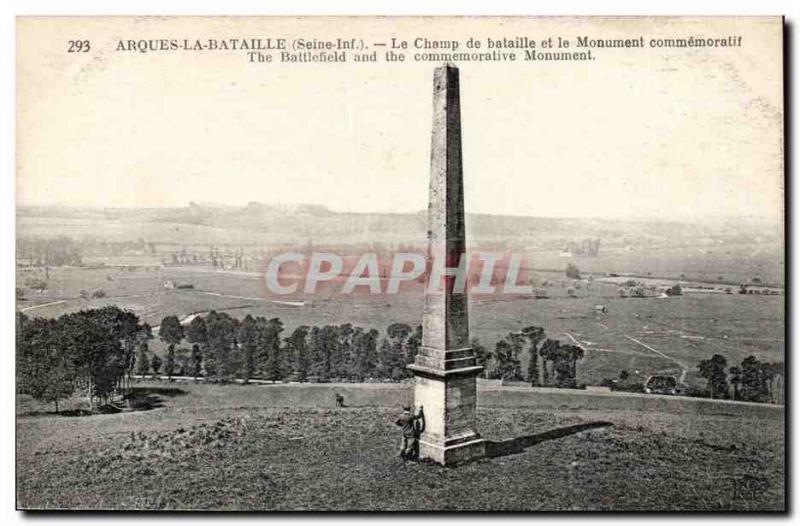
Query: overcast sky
x: 650, y: 133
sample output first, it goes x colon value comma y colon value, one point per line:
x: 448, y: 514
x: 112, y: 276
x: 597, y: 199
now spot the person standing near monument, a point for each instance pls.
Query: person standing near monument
x: 412, y: 424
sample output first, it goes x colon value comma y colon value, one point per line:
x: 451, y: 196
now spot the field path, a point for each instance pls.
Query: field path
x: 585, y: 346
x: 277, y: 302
x: 221, y: 295
x: 577, y: 342
x: 26, y: 309
x: 684, y: 370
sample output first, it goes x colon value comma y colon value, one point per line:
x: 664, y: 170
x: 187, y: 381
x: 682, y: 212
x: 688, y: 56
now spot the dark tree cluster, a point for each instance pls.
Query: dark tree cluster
x: 558, y: 362
x: 225, y: 349
x: 96, y: 352
x: 91, y: 351
x: 99, y: 349
x: 752, y: 380
x: 572, y: 271
x: 674, y: 290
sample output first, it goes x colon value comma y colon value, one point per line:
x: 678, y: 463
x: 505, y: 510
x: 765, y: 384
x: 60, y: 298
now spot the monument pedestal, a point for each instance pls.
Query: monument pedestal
x: 448, y: 396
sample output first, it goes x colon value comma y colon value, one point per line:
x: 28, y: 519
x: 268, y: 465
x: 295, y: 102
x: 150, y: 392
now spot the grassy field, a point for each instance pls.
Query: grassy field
x: 735, y: 263
x: 737, y: 249
x: 685, y: 329
x: 261, y: 448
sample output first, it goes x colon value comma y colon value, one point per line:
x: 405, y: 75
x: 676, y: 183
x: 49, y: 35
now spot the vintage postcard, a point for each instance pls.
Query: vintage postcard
x: 390, y: 264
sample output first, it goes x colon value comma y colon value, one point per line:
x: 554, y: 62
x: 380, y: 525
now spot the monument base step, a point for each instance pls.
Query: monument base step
x: 453, y: 454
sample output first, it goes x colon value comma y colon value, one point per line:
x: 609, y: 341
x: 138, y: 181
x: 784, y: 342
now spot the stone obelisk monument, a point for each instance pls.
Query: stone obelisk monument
x: 445, y: 369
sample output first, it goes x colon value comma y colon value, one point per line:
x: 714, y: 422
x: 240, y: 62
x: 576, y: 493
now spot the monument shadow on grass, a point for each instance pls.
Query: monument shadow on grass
x: 518, y: 445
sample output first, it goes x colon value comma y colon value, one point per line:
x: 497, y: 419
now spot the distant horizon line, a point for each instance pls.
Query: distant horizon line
x: 680, y: 219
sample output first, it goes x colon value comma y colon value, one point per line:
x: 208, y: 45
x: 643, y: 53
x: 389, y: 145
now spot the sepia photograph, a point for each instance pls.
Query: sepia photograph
x: 389, y: 264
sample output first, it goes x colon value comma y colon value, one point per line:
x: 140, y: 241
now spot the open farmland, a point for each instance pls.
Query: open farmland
x: 729, y: 263
x: 640, y: 335
x: 286, y: 448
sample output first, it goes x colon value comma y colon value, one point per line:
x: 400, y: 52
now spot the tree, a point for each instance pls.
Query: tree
x: 92, y: 341
x: 297, y: 351
x: 143, y: 360
x: 754, y: 385
x: 394, y: 354
x: 196, y: 331
x: 155, y: 364
x: 561, y: 367
x: 183, y: 365
x: 638, y: 292
x: 144, y: 335
x: 366, y: 344
x: 413, y: 345
x: 735, y: 374
x: 322, y: 339
x: 42, y: 371
x: 675, y: 290
x: 91, y: 349
x: 482, y: 356
x: 572, y: 271
x: 517, y: 341
x: 124, y: 327
x: 507, y: 365
x: 197, y: 361
x: 769, y: 371
x: 221, y: 332
x: 535, y: 335
x: 549, y: 353
x: 247, y: 337
x: 714, y: 371
x: 565, y: 366
x: 776, y: 374
x: 197, y: 334
x: 501, y: 357
x: 386, y: 361
x: 57, y: 381
x: 170, y: 365
x: 269, y: 348
x: 171, y: 332
x: 342, y: 351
